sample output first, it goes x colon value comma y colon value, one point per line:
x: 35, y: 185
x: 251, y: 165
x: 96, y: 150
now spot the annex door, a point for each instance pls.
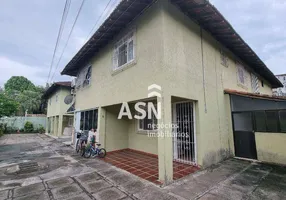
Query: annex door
x: 244, y: 137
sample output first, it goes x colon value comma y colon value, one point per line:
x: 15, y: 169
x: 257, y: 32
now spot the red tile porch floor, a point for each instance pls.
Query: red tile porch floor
x: 144, y: 165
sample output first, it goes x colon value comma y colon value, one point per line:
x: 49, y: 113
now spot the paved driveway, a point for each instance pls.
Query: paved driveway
x: 38, y: 167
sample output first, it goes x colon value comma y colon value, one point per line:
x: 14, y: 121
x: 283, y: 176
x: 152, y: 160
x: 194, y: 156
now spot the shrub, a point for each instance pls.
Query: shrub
x: 41, y: 129
x: 28, y: 127
x: 3, y: 128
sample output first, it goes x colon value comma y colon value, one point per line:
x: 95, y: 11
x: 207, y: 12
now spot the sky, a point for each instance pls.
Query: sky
x: 29, y: 31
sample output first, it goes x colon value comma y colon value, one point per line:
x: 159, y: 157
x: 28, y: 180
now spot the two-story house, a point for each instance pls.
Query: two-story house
x: 59, y: 122
x: 199, y: 64
x: 282, y: 90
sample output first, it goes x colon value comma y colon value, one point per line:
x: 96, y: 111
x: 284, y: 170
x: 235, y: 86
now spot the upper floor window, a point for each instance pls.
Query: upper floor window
x: 223, y: 58
x: 241, y: 74
x: 84, y: 77
x: 255, y: 83
x: 124, y: 51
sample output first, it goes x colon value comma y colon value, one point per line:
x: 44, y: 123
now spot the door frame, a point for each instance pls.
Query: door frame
x: 174, y: 115
x: 253, y: 131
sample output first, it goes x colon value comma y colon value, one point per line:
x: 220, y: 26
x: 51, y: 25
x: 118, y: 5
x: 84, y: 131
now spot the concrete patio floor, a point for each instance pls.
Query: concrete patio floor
x: 38, y: 167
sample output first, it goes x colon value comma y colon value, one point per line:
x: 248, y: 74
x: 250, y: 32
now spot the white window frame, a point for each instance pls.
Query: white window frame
x: 129, y: 37
x: 139, y: 121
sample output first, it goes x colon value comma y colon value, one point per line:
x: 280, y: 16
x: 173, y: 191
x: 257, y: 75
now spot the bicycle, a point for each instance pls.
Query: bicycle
x: 81, y: 142
x: 94, y: 151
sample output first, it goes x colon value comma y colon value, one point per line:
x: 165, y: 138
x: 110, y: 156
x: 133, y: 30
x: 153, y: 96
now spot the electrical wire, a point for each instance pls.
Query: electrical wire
x: 76, y: 18
x: 63, y: 20
x: 111, y: 25
x: 91, y: 31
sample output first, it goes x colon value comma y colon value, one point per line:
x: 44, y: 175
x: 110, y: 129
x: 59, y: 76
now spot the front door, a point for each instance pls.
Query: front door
x: 184, y: 132
x: 244, y: 137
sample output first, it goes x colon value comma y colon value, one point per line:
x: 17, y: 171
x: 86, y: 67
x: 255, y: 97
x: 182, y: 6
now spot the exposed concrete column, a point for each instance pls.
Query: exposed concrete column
x: 60, y: 125
x: 55, y: 133
x: 52, y: 125
x: 165, y: 140
x: 101, y: 126
x: 47, y: 125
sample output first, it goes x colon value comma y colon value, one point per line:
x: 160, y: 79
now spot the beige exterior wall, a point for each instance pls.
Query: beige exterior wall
x: 271, y: 147
x: 58, y: 107
x: 56, y: 111
x: 168, y: 52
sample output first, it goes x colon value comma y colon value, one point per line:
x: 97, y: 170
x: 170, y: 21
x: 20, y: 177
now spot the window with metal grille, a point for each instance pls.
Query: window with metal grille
x: 223, y: 58
x: 84, y: 77
x: 255, y: 83
x: 88, y: 120
x: 124, y: 51
x: 241, y: 74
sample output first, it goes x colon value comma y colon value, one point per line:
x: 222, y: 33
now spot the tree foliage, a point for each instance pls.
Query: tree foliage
x: 18, y: 83
x: 8, y: 106
x: 28, y: 96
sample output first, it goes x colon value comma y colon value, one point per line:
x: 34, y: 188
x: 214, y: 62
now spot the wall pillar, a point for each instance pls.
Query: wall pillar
x: 47, y: 125
x: 52, y: 125
x: 55, y: 132
x: 165, y: 140
x: 101, y: 126
x: 60, y: 125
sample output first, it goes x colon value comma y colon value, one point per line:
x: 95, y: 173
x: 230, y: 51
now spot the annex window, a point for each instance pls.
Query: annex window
x: 255, y: 84
x: 124, y: 51
x: 282, y: 118
x: 241, y: 74
x: 273, y: 121
x: 223, y: 58
x: 148, y: 123
x: 260, y: 121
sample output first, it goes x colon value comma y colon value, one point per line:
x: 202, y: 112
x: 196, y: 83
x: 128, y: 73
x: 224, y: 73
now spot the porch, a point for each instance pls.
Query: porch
x: 158, y: 154
x: 59, y: 125
x: 145, y: 165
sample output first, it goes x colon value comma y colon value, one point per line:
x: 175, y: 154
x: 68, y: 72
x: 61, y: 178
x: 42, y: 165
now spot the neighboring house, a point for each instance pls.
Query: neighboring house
x: 59, y: 122
x: 282, y: 90
x: 201, y: 64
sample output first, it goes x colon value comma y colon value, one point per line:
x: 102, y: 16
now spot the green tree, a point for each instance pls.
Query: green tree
x: 18, y: 84
x: 8, y: 106
x: 26, y: 94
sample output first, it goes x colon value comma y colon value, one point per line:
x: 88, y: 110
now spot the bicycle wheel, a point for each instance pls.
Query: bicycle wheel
x: 82, y: 151
x: 77, y: 147
x: 87, y: 153
x: 102, y: 153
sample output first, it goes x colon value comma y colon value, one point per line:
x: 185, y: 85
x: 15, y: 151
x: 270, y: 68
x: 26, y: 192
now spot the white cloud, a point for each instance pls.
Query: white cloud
x: 10, y: 68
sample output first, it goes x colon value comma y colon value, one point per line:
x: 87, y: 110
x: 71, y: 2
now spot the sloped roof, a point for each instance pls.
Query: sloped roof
x: 54, y: 87
x: 201, y: 11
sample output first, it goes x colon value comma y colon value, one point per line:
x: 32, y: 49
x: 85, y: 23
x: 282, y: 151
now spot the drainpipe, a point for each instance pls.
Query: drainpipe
x: 203, y: 70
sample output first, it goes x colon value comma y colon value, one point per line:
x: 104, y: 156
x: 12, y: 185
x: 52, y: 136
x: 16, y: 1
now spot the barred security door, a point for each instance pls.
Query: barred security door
x: 184, y: 138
